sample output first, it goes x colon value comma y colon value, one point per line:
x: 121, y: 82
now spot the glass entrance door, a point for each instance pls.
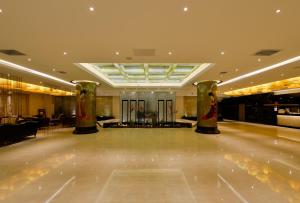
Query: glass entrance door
x: 161, y: 118
x: 141, y: 112
x: 124, y: 111
x: 133, y: 111
x: 169, y: 111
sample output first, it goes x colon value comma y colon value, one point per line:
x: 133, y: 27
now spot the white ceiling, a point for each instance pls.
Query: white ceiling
x: 45, y: 29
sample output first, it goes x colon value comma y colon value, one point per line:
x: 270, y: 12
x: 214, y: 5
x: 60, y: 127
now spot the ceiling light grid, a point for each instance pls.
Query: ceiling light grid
x: 144, y: 74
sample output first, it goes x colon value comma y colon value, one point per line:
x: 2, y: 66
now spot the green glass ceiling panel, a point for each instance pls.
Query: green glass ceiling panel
x: 141, y: 74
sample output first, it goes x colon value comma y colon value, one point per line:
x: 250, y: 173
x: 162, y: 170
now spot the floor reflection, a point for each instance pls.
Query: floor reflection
x: 31, y: 174
x: 264, y: 173
x: 240, y: 155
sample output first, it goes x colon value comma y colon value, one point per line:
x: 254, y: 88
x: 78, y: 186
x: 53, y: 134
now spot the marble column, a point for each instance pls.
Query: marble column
x: 85, y: 107
x: 207, y: 105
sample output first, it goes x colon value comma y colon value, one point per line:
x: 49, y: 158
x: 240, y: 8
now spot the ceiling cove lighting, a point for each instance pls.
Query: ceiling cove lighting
x: 145, y: 75
x: 268, y: 68
x: 31, y: 71
x: 281, y: 86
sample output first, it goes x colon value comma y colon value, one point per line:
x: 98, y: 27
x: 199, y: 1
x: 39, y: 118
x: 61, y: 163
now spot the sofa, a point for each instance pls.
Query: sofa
x: 10, y: 133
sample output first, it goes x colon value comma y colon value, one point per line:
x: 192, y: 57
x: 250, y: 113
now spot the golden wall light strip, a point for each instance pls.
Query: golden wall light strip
x: 26, y: 87
x: 291, y: 83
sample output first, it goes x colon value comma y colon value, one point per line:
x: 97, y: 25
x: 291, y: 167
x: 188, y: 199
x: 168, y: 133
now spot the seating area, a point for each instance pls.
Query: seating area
x: 15, y: 129
x: 63, y: 121
x: 12, y: 133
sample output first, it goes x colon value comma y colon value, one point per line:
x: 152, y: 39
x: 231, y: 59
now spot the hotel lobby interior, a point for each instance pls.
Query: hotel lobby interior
x: 182, y: 101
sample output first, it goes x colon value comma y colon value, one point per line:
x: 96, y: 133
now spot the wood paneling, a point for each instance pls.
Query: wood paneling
x: 104, y: 106
x: 190, y: 106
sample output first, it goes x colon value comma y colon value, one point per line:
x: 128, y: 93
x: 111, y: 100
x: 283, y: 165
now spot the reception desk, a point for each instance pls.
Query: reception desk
x: 290, y: 120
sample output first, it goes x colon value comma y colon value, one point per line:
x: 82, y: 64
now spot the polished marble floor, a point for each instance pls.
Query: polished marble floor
x: 245, y: 163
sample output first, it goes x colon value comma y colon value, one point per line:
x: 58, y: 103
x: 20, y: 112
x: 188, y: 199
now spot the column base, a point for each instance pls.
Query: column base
x: 85, y: 130
x: 207, y: 130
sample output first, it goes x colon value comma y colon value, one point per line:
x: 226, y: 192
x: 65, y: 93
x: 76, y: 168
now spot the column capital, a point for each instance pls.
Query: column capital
x: 84, y: 81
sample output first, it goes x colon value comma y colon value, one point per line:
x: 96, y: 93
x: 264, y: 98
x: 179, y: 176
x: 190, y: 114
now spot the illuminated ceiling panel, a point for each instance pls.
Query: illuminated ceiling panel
x: 145, y: 75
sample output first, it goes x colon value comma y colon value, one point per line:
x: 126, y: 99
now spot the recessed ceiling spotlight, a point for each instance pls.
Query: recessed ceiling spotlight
x: 222, y: 52
x: 278, y: 11
x: 282, y: 74
x: 236, y: 70
x: 29, y: 59
x: 259, y: 60
x: 185, y: 9
x: 41, y: 82
x: 65, y: 53
x: 53, y: 69
x: 117, y: 53
x: 91, y: 8
x: 170, y: 53
x: 1, y: 11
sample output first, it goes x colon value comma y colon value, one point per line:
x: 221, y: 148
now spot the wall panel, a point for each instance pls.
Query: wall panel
x: 190, y: 105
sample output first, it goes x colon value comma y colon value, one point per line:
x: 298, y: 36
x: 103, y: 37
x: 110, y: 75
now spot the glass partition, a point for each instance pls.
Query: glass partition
x: 147, y: 108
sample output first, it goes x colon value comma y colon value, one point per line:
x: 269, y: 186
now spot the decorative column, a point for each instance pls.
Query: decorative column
x: 85, y: 107
x: 207, y: 103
